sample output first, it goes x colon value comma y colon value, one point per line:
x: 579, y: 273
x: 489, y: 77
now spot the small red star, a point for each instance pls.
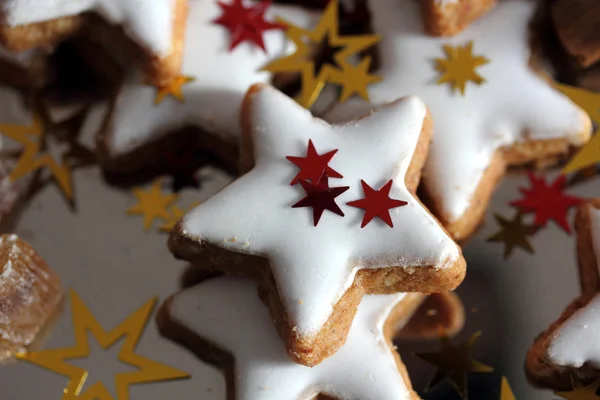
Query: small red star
x: 548, y: 202
x: 246, y: 23
x: 320, y: 197
x: 377, y: 203
x: 314, y: 166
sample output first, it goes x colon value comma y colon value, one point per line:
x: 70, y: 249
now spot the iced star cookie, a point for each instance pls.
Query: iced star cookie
x: 576, y: 24
x: 150, y: 32
x: 449, y: 17
x: 30, y: 296
x: 513, y: 117
x: 209, y: 318
x: 211, y: 88
x: 27, y: 69
x: 571, y: 346
x: 314, y: 266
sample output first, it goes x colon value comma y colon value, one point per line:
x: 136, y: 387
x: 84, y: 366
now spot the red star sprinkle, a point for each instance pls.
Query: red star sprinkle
x: 314, y: 166
x: 548, y: 202
x: 320, y: 197
x: 377, y: 203
x: 246, y: 23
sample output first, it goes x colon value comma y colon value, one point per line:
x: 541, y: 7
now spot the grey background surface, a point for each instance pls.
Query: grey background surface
x: 115, y: 266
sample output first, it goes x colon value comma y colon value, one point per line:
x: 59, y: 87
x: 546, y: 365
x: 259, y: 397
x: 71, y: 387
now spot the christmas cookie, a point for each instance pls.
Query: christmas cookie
x: 202, y: 105
x: 209, y: 319
x: 148, y: 31
x: 30, y: 296
x: 576, y: 24
x: 27, y: 69
x: 441, y: 314
x: 315, y: 266
x: 508, y: 115
x: 571, y: 346
x: 449, y: 17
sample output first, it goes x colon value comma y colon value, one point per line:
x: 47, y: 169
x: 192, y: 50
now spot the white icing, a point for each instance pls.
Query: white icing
x: 513, y: 105
x: 227, y: 312
x: 314, y: 266
x: 577, y: 341
x: 150, y: 22
x: 213, y: 100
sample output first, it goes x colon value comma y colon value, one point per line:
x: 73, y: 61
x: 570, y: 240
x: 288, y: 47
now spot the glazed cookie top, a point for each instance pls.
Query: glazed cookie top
x: 513, y: 105
x: 148, y: 22
x: 315, y: 265
x: 212, y: 101
x: 577, y: 341
x: 364, y: 368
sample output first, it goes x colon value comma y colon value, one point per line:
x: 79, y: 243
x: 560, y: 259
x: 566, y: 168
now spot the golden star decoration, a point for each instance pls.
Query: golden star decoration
x: 590, y: 103
x: 454, y: 363
x: 175, y: 215
x: 152, y: 204
x: 506, y: 392
x: 459, y: 67
x: 581, y: 392
x: 130, y: 330
x: 34, y: 155
x: 352, y: 79
x: 172, y: 88
x: 513, y: 234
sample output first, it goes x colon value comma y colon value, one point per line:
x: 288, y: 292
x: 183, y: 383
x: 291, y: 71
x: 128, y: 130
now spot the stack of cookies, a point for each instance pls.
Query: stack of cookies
x: 321, y: 250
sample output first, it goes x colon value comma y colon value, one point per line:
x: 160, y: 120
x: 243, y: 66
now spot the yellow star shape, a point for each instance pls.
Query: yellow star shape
x: 454, y: 363
x: 131, y: 330
x: 34, y: 158
x: 506, y: 392
x: 581, y: 392
x: 172, y: 88
x: 513, y: 234
x: 301, y: 61
x: 174, y: 216
x: 459, y: 67
x: 590, y: 102
x: 152, y: 204
x: 356, y: 79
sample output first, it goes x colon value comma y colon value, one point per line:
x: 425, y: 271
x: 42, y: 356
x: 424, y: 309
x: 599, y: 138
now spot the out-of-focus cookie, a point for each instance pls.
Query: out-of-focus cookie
x: 27, y: 69
x: 512, y: 117
x: 224, y: 322
x: 30, y: 296
x: 570, y: 348
x: 202, y: 106
x: 441, y: 314
x: 149, y: 32
x: 576, y: 23
x: 314, y: 267
x: 450, y: 17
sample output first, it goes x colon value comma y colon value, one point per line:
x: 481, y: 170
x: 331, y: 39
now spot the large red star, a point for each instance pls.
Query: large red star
x: 548, y: 202
x: 314, y: 166
x: 377, y: 203
x: 246, y: 23
x: 320, y: 197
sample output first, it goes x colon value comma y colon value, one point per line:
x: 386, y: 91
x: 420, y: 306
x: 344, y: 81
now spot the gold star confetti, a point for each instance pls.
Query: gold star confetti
x: 581, y: 392
x: 459, y: 67
x: 454, y: 363
x: 513, y: 234
x: 506, y: 392
x: 152, y: 204
x: 130, y: 330
x: 172, y: 88
x: 590, y: 103
x: 339, y: 71
x: 175, y: 215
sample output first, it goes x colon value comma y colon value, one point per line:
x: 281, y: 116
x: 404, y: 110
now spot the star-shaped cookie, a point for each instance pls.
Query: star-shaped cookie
x: 210, y: 103
x: 217, y: 310
x: 315, y: 276
x: 571, y: 346
x: 514, y: 117
x: 154, y: 26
